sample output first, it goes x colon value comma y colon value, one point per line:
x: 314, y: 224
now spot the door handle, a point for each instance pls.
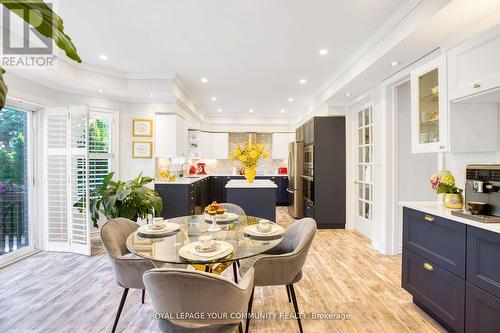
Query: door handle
x: 355, y: 182
x: 429, y: 218
x: 428, y: 266
x: 289, y: 191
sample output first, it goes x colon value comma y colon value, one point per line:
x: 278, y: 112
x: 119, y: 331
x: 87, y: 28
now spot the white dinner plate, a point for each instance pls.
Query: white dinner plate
x: 189, y: 251
x: 150, y: 229
x: 224, y: 218
x: 253, y: 230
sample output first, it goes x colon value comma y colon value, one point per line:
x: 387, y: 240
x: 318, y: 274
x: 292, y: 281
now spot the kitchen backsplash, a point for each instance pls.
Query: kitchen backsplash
x: 266, y: 166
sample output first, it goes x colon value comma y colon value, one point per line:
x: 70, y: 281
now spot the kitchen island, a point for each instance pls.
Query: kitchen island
x: 257, y: 198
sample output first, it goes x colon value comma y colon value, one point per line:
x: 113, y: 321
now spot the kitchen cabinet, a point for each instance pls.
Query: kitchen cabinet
x: 280, y: 143
x: 429, y: 107
x: 215, y: 189
x: 220, y: 146
x: 283, y: 195
x: 451, y: 270
x: 194, y: 149
x: 171, y: 136
x: 474, y: 65
x: 299, y: 134
x: 206, y: 145
x: 309, y: 132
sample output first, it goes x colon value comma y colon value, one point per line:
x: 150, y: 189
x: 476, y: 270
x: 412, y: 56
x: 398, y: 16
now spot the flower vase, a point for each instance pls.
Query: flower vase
x: 249, y: 173
x: 453, y: 201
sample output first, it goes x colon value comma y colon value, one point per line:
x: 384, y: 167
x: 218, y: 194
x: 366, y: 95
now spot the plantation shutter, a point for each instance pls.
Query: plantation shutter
x: 57, y: 180
x: 68, y: 227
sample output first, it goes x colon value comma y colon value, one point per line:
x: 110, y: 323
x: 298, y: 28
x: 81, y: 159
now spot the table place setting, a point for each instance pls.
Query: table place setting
x: 159, y: 228
x: 265, y: 229
x: 206, y: 248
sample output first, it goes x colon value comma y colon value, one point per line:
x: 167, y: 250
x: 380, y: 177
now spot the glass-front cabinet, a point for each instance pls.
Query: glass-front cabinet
x: 429, y: 107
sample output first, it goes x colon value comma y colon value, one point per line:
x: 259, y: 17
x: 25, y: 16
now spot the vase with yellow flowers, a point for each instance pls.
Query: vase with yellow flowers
x: 444, y: 182
x: 249, y: 155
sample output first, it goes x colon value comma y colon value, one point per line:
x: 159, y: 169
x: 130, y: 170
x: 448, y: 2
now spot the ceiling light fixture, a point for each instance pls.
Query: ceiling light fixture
x: 394, y: 63
x: 204, y: 80
x: 348, y: 94
x: 290, y: 99
x: 213, y: 98
x: 101, y: 90
x: 251, y: 110
x: 219, y: 110
x: 103, y: 57
x: 303, y: 81
x: 150, y: 95
x: 282, y: 111
x: 323, y: 52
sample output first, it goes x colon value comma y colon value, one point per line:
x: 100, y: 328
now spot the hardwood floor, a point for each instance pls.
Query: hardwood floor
x: 61, y: 292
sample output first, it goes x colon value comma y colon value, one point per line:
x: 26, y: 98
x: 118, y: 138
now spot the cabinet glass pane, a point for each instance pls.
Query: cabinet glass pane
x: 428, y: 107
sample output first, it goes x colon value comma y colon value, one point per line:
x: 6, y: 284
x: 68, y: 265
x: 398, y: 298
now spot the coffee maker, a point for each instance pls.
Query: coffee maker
x: 482, y: 185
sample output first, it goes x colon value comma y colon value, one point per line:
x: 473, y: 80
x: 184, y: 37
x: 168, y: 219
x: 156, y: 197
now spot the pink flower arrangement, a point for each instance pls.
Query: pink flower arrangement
x: 444, y: 182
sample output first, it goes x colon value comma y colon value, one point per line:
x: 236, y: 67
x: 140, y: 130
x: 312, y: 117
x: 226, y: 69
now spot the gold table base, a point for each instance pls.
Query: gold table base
x: 209, y: 268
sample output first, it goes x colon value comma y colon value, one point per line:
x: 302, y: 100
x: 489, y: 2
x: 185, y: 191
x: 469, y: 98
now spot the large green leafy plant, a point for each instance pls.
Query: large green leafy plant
x: 45, y: 21
x: 131, y: 199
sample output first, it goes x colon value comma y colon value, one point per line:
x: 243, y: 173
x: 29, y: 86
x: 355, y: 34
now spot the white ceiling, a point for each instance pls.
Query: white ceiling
x: 253, y: 52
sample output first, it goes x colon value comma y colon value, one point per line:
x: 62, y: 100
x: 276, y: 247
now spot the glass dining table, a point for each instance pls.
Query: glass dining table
x: 169, y: 248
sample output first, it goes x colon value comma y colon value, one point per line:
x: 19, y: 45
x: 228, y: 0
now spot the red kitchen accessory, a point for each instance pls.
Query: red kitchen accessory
x: 201, y: 169
x: 192, y: 170
x: 282, y: 171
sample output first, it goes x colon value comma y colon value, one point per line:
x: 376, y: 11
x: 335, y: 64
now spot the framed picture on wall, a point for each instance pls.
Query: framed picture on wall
x: 142, y: 149
x: 142, y: 127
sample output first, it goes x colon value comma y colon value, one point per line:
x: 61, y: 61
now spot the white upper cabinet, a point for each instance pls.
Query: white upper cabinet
x: 206, y: 145
x: 171, y: 136
x: 220, y: 146
x: 280, y: 145
x: 474, y: 65
x: 429, y: 111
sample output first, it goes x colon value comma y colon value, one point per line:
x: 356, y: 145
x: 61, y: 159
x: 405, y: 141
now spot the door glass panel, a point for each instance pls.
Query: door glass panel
x: 365, y: 163
x: 428, y: 107
x: 14, y: 180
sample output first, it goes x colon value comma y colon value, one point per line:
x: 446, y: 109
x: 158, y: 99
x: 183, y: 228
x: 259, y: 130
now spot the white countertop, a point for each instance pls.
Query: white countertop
x: 434, y: 208
x: 194, y: 178
x: 257, y: 183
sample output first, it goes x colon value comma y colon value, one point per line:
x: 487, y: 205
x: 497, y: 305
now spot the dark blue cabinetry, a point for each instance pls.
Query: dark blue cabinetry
x: 453, y: 271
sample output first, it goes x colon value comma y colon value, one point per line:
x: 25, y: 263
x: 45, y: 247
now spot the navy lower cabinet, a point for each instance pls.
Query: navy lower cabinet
x: 439, y: 292
x: 452, y: 270
x: 482, y: 312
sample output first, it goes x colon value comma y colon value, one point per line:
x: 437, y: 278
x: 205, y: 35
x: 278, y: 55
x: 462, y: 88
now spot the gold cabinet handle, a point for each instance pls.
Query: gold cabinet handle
x: 477, y: 85
x: 429, y: 218
x: 428, y: 266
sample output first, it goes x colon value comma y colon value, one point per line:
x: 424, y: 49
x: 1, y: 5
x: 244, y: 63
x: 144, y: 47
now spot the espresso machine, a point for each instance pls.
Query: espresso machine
x: 482, y: 193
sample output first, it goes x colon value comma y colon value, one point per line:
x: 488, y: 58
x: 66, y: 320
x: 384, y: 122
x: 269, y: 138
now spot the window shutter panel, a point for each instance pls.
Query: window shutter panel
x: 80, y: 223
x: 57, y: 129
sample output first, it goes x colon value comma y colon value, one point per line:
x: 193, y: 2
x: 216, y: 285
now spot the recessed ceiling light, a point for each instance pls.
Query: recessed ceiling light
x: 303, y: 81
x: 219, y: 110
x: 282, y: 111
x: 101, y: 90
x: 251, y: 110
x: 348, y: 94
x: 394, y: 63
x: 103, y: 57
x: 290, y: 99
x: 150, y: 95
x: 213, y: 98
x: 204, y: 80
x: 323, y: 52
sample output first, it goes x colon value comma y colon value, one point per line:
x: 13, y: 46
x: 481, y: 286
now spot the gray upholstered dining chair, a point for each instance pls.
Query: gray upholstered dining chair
x: 128, y: 267
x: 282, y: 265
x: 232, y: 208
x: 181, y: 291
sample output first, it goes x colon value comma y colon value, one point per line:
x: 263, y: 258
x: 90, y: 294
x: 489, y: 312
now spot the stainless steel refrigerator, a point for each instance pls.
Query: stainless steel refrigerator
x: 295, y: 168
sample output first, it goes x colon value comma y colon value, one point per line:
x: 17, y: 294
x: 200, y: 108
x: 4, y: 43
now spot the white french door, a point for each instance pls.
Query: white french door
x: 67, y: 226
x: 364, y: 174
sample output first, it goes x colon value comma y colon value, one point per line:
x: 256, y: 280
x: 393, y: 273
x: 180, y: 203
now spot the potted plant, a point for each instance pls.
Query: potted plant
x: 444, y: 183
x: 249, y: 156
x: 131, y: 199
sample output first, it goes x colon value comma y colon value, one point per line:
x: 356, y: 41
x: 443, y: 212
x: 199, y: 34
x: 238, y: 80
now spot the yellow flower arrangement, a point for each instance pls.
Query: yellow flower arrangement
x: 249, y: 156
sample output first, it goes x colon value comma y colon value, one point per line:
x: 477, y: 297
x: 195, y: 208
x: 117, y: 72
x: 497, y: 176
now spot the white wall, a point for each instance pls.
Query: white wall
x: 414, y: 170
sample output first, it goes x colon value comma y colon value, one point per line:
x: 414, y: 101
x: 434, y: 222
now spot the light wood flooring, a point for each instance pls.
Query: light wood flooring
x: 61, y: 292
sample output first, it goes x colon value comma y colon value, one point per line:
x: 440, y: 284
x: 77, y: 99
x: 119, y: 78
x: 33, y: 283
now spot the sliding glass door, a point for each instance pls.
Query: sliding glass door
x: 16, y: 172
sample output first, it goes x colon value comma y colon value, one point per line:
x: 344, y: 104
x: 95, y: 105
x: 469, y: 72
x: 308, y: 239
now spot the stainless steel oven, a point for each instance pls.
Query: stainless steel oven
x: 308, y: 189
x: 309, y: 157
